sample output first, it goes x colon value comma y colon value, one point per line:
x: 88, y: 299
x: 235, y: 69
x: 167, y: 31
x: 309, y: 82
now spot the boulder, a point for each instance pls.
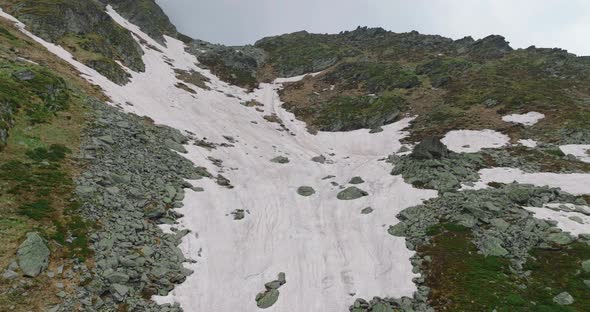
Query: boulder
x: 563, y: 298
x: 24, y: 75
x: 367, y: 210
x: 175, y: 146
x: 430, y: 148
x: 267, y: 298
x: 356, y: 180
x: 586, y: 266
x: 492, y: 246
x: 33, y: 255
x: 280, y: 160
x: 305, y: 191
x: 351, y: 193
x: 319, y: 159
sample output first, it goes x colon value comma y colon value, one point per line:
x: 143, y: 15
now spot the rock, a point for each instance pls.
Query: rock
x: 319, y: 159
x: 398, y: 230
x: 381, y: 307
x: 175, y: 146
x: 117, y: 277
x: 305, y: 191
x: 560, y: 238
x: 267, y: 298
x: 280, y: 160
x: 587, y: 283
x: 282, y: 277
x: 119, y: 291
x: 576, y: 219
x: 9, y: 275
x: 24, y: 75
x: 273, y: 285
x: 586, y: 266
x: 563, y: 298
x: 238, y: 214
x: 108, y: 139
x: 356, y: 180
x: 223, y: 181
x: 367, y: 210
x: 351, y: 193
x: 500, y: 224
x: 376, y: 130
x: 33, y: 255
x: 430, y: 148
x: 492, y: 246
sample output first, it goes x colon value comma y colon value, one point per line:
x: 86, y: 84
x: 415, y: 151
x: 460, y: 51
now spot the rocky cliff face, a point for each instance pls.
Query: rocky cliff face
x: 86, y: 31
x: 147, y: 15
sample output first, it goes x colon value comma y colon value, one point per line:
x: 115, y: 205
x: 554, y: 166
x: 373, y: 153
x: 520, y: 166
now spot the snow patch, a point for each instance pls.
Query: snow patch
x: 574, y: 222
x: 527, y: 119
x: 573, y: 183
x: 528, y: 143
x: 580, y: 151
x: 471, y: 141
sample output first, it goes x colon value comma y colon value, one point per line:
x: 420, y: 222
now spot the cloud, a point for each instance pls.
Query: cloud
x: 543, y: 23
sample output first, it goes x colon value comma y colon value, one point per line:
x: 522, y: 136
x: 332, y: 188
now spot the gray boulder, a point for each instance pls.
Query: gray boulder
x: 563, y: 298
x: 305, y: 191
x: 430, y: 148
x: 492, y: 246
x: 586, y: 266
x: 280, y: 160
x: 351, y: 193
x: 33, y: 255
x: 356, y: 180
x: 367, y: 210
x: 267, y: 298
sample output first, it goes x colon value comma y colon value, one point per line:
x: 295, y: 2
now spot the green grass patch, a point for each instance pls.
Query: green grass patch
x: 463, y: 280
x: 346, y: 113
x: 37, y: 210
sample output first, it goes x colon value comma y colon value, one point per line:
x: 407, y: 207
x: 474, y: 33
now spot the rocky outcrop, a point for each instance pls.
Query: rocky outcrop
x: 146, y: 14
x: 87, y: 31
x: 33, y: 255
x: 131, y: 185
x: 235, y: 65
x: 430, y: 148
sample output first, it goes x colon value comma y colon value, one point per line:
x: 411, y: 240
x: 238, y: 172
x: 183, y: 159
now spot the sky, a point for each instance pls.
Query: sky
x: 543, y: 23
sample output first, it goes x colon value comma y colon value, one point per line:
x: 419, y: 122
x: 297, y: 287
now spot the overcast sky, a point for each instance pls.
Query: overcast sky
x: 543, y: 23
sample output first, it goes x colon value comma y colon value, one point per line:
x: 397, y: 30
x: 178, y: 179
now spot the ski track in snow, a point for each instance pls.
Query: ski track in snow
x: 330, y: 252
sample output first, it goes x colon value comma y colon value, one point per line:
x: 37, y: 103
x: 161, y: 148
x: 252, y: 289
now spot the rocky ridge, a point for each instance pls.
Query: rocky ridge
x: 128, y: 198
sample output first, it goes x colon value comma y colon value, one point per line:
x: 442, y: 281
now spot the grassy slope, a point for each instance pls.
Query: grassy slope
x: 84, y: 29
x: 463, y: 280
x: 448, y: 84
x: 36, y: 165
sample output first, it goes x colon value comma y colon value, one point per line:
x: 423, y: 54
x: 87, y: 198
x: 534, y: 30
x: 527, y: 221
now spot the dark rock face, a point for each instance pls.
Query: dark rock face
x: 85, y: 26
x: 430, y: 148
x: 147, y: 15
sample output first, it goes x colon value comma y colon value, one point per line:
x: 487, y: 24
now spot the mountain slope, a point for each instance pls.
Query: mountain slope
x: 202, y: 190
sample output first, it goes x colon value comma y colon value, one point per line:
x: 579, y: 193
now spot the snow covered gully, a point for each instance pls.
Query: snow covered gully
x: 330, y: 251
